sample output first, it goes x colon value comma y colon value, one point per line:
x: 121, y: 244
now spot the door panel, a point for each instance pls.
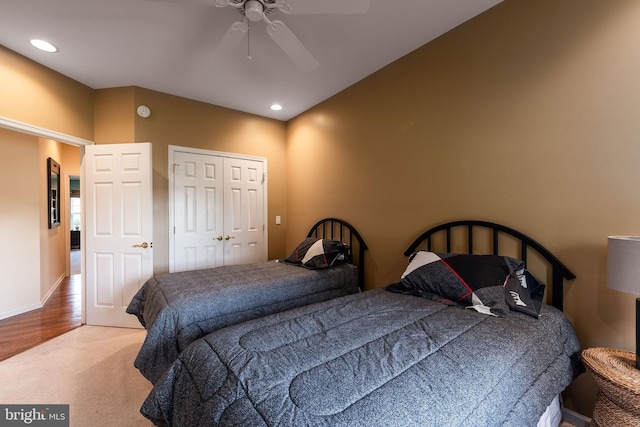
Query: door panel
x: 198, y: 201
x: 119, y: 229
x: 244, y: 211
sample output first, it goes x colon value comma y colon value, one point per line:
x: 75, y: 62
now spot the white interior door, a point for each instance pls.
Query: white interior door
x: 243, y: 211
x: 119, y: 229
x: 198, y: 211
x: 218, y: 206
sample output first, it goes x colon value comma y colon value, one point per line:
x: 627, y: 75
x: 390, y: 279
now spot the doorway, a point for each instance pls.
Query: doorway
x: 75, y: 225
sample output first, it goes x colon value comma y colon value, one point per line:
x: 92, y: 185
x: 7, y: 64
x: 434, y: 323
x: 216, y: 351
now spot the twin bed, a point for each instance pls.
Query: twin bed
x: 410, y: 354
x: 178, y: 308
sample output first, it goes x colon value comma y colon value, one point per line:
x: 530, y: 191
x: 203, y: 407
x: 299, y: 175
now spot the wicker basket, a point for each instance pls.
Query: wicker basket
x: 615, y: 373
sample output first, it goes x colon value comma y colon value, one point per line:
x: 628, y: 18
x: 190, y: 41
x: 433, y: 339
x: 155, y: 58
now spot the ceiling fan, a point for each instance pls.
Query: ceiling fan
x: 260, y: 10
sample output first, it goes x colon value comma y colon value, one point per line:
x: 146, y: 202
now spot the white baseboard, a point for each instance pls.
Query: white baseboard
x: 20, y: 310
x: 28, y: 308
x: 575, y: 418
x: 52, y: 290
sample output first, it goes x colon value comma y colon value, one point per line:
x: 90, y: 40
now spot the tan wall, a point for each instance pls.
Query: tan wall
x: 33, y: 94
x: 52, y: 241
x: 183, y: 122
x: 19, y: 223
x: 114, y: 120
x: 526, y: 116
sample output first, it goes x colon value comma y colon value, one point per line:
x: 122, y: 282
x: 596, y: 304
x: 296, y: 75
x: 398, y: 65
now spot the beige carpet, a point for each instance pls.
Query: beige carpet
x: 90, y: 368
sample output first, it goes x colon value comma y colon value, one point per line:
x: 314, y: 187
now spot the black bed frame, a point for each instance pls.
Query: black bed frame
x: 559, y: 270
x: 337, y: 229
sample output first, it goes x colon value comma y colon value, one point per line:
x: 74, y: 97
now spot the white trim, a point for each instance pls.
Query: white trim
x: 176, y: 148
x: 83, y: 221
x: 42, y: 132
x: 52, y: 290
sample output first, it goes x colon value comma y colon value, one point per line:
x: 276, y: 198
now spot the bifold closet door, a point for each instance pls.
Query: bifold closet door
x: 218, y: 211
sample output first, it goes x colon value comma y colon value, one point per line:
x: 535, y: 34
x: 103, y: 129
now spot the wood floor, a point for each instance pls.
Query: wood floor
x: 60, y: 314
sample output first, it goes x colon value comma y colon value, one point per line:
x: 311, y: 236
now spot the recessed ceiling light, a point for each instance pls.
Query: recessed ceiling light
x: 276, y: 107
x: 43, y: 45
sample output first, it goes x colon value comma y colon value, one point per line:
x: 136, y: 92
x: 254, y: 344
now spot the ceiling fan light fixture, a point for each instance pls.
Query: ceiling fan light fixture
x: 261, y: 10
x: 254, y: 10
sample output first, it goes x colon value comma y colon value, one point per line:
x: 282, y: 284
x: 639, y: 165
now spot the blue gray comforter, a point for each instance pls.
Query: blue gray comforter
x: 178, y: 308
x: 371, y: 359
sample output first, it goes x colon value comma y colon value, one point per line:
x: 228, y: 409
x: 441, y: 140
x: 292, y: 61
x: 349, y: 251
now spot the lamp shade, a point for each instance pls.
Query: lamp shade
x: 623, y: 264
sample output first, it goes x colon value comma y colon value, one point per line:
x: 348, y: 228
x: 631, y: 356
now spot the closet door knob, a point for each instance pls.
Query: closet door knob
x: 227, y: 237
x: 218, y: 238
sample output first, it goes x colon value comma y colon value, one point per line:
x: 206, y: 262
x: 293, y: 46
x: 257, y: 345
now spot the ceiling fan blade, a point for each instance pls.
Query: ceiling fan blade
x: 300, y: 7
x: 198, y: 2
x: 238, y: 4
x: 291, y: 45
x: 235, y: 34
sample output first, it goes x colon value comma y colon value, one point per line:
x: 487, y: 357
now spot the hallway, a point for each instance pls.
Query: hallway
x: 74, y: 262
x: 60, y: 314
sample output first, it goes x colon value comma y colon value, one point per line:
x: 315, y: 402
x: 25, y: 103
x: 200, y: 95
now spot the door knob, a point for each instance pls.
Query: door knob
x: 144, y: 245
x: 218, y: 238
x: 227, y: 237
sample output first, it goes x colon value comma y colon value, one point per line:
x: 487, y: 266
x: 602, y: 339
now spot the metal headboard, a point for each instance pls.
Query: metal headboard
x: 337, y: 229
x: 559, y: 270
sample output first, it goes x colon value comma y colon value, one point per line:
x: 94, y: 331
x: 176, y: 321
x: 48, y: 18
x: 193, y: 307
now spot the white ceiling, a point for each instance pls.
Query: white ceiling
x: 168, y: 46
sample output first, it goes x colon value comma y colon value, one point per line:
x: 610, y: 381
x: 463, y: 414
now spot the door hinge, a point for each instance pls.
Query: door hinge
x: 173, y: 167
x: 264, y: 177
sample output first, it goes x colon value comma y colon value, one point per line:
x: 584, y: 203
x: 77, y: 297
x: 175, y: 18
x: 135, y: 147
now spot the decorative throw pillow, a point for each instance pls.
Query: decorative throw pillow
x: 475, y: 281
x: 524, y: 293
x: 317, y: 253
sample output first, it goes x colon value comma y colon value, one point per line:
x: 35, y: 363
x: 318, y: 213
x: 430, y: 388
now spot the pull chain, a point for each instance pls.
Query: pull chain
x: 248, y: 41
